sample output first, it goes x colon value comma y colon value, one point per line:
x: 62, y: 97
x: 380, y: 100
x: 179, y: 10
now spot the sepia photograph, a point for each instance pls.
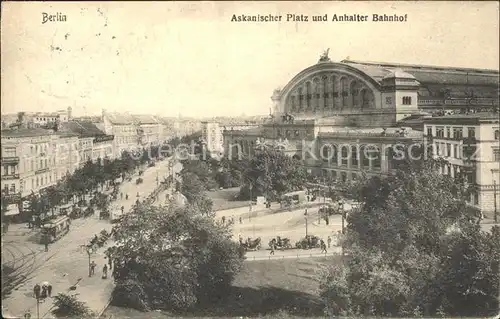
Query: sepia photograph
x: 250, y: 159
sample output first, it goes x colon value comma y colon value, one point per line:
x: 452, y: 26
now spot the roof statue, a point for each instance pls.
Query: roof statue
x: 324, y: 57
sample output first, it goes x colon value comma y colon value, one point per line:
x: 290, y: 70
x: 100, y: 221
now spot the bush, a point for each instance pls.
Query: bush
x: 69, y: 306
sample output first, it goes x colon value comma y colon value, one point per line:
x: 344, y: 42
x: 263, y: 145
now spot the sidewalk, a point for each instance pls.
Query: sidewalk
x: 66, y: 263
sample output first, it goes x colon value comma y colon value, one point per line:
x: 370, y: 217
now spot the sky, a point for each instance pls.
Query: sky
x: 188, y: 58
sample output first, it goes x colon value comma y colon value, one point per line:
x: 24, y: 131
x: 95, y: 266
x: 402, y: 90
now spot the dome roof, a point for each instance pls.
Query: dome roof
x: 399, y: 74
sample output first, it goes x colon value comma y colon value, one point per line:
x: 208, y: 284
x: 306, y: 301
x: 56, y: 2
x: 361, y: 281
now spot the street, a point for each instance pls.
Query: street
x: 67, y: 261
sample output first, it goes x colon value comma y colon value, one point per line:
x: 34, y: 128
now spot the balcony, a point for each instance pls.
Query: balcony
x: 12, y: 197
x: 469, y: 140
x: 42, y: 170
x: 10, y: 176
x: 10, y: 160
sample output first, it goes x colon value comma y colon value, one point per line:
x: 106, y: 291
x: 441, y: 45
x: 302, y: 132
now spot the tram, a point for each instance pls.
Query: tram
x: 55, y: 229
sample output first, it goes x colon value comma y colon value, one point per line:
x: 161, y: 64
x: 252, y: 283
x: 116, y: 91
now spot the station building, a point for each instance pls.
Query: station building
x: 341, y: 119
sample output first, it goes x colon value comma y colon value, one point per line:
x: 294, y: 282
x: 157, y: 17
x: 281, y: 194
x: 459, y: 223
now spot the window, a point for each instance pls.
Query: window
x: 449, y: 150
x: 345, y: 154
x: 9, y: 152
x: 12, y: 188
x: 388, y: 100
x: 440, y: 131
x: 429, y: 131
x: 458, y: 133
x: 497, y: 135
x: 354, y: 156
x: 496, y: 154
x: 448, y: 132
x: 406, y: 100
x: 471, y: 132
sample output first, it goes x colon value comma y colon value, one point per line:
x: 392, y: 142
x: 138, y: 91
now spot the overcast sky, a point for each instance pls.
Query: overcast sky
x: 188, y: 58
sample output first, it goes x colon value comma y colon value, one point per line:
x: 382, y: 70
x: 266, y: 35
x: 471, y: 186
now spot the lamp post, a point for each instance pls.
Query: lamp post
x: 88, y: 249
x: 494, y: 197
x: 37, y: 297
x: 251, y: 199
x: 306, y: 224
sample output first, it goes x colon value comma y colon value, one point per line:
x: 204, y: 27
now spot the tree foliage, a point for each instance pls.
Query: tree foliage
x: 69, y: 306
x: 172, y: 258
x: 272, y: 173
x: 415, y: 248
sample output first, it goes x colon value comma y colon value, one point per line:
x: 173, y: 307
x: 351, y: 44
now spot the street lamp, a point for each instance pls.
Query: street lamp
x: 494, y: 197
x: 89, y: 250
x: 341, y: 208
x: 37, y: 297
x: 306, y: 224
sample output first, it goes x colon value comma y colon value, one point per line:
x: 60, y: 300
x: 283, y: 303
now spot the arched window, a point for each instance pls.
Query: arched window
x: 301, y: 98
x: 293, y: 102
x: 345, y: 91
x: 366, y: 98
x: 354, y: 90
x: 497, y: 135
x: 325, y: 91
x: 317, y: 94
x: 308, y: 95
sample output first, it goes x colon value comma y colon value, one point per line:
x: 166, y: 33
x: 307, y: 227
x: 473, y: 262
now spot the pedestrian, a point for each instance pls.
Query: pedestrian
x: 273, y: 247
x: 27, y: 315
x: 323, y: 247
x: 43, y: 295
x: 105, y: 271
x: 329, y: 241
x: 46, y: 243
x: 126, y: 196
x: 36, y: 291
x: 241, y: 221
x: 49, y: 290
x: 223, y: 219
x: 121, y: 195
x: 92, y: 268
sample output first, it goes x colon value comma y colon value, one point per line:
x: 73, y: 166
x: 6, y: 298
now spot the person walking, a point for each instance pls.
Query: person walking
x: 273, y: 247
x: 92, y: 268
x: 46, y: 243
x: 126, y: 196
x: 36, y: 291
x: 329, y: 241
x: 223, y: 219
x: 323, y: 246
x: 121, y: 195
x: 241, y: 221
x: 105, y: 271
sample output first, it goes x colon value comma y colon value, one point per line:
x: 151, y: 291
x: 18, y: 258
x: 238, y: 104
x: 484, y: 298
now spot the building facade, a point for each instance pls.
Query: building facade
x: 469, y: 144
x: 343, y: 119
x: 67, y: 154
x: 28, y: 161
x: 148, y: 129
x: 124, y: 129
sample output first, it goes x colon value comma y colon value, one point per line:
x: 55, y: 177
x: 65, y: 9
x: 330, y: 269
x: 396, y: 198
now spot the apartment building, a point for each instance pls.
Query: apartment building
x: 470, y: 145
x: 28, y: 161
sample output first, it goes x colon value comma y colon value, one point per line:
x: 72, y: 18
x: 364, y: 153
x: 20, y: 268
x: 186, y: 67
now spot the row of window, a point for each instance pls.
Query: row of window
x: 455, y: 132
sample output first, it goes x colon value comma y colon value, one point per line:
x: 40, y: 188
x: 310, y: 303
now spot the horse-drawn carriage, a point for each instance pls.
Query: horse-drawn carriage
x: 310, y: 241
x: 280, y: 243
x: 250, y: 244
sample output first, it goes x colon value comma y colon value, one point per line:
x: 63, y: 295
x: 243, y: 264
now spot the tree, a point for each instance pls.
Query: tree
x: 272, y: 173
x: 69, y: 306
x: 404, y: 258
x: 172, y: 258
x: 191, y: 187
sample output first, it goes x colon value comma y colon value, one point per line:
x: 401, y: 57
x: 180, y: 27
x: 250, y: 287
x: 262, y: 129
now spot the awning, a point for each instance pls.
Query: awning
x: 12, y: 210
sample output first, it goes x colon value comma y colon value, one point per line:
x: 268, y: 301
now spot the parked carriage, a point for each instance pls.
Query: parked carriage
x: 280, y: 243
x: 310, y: 241
x: 250, y: 244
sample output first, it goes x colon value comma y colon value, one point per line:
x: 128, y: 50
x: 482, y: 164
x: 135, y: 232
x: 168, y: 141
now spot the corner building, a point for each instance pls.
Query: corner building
x: 342, y: 118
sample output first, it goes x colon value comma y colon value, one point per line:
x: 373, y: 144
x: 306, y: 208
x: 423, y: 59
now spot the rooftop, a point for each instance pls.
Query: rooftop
x: 26, y: 132
x: 426, y: 74
x: 82, y: 128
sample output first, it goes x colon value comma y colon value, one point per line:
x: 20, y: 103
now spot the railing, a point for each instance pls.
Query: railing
x: 459, y: 101
x: 10, y: 176
x: 42, y: 170
x: 10, y: 159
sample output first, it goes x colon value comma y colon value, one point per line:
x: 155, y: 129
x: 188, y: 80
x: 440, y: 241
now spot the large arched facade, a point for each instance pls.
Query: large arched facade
x: 329, y: 87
